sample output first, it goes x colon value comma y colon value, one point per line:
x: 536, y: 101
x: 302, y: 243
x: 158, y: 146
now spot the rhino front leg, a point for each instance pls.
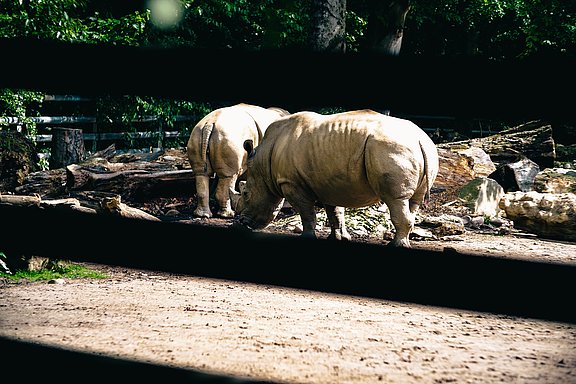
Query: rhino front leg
x: 307, y: 214
x: 403, y: 221
x: 202, y: 196
x: 225, y: 185
x: 337, y: 226
x: 303, y: 206
x: 308, y: 217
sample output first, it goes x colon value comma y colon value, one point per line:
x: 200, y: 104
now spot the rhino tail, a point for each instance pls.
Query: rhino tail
x: 258, y: 127
x: 427, y: 174
x: 206, y: 132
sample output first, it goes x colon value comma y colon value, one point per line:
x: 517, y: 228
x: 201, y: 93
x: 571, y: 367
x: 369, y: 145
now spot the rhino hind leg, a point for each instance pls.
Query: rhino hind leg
x: 223, y: 188
x: 402, y: 218
x: 203, y: 197
x: 338, y: 229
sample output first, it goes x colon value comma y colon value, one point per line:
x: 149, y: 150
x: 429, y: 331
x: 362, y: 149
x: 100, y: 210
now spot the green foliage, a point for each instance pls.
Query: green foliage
x: 494, y: 28
x: 490, y: 28
x: 355, y: 28
x: 331, y: 110
x: 21, y: 104
x: 69, y: 20
x: 43, y: 161
x: 498, y: 29
x: 63, y: 20
x: 58, y: 270
x: 238, y: 24
x: 127, y: 30
x: 46, y: 19
x: 117, y: 114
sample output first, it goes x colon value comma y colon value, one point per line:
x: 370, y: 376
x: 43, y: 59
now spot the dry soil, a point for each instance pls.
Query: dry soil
x: 283, y: 335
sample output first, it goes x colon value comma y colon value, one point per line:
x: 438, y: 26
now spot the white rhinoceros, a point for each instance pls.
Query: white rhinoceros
x: 215, y: 147
x: 350, y: 159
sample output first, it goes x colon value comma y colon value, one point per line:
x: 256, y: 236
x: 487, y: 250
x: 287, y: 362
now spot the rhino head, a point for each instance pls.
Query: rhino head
x: 255, y: 205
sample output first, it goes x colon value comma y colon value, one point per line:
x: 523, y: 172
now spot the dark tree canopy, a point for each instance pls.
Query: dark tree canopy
x: 494, y: 30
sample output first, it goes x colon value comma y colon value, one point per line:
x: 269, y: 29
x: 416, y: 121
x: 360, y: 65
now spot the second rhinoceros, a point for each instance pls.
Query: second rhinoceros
x: 215, y: 148
x: 351, y: 159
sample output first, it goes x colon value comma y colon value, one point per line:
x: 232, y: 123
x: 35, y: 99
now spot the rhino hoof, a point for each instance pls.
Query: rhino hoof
x: 202, y: 213
x: 228, y: 214
x: 339, y: 237
x: 399, y: 244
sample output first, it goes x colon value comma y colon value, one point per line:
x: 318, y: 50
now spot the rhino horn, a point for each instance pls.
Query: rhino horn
x: 235, y: 196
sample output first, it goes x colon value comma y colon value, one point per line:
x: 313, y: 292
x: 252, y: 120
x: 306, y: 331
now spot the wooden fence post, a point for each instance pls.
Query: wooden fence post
x: 67, y: 147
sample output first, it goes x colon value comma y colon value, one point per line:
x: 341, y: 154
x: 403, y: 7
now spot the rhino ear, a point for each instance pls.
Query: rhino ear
x: 249, y: 147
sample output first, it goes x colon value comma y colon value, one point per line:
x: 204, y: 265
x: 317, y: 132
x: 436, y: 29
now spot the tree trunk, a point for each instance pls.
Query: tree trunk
x: 386, y: 26
x: 328, y: 32
x: 67, y: 147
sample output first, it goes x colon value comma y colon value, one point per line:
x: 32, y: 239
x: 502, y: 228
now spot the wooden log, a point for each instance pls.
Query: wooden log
x: 89, y: 203
x: 51, y: 183
x: 137, y: 176
x: 532, y: 140
x: 20, y: 200
x: 134, y: 184
x: 105, y: 153
x: 67, y: 147
x: 114, y: 206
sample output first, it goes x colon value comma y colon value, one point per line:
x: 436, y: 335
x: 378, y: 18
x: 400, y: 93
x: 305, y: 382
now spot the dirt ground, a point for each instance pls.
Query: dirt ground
x: 283, y: 335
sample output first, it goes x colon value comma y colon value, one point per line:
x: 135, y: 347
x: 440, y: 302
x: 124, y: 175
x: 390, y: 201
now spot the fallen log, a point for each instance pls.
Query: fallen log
x: 67, y: 203
x: 19, y: 200
x: 134, y: 176
x: 90, y: 203
x: 532, y: 140
x: 114, y: 206
x: 133, y: 184
x: 51, y: 183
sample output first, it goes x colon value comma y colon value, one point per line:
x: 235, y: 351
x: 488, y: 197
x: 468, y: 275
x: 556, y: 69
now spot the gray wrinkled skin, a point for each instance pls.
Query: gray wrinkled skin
x: 352, y: 159
x: 215, y: 149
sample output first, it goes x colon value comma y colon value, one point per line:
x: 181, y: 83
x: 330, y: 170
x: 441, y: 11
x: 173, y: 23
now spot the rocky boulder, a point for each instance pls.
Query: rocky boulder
x: 460, y: 165
x: 516, y: 176
x: 482, y: 195
x: 555, y: 180
x: 548, y: 215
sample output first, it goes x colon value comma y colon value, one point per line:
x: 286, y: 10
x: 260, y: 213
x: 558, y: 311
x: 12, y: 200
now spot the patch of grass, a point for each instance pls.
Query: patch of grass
x: 58, y: 271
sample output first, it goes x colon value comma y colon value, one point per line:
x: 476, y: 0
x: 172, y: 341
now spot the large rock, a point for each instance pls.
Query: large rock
x: 480, y: 160
x: 548, y: 215
x: 516, y: 176
x: 555, y: 180
x: 460, y: 165
x: 482, y: 195
x: 566, y: 154
x: 532, y: 140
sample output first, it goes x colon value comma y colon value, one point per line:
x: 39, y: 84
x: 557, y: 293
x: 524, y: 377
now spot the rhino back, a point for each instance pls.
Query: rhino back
x: 232, y: 128
x: 348, y: 159
x: 216, y: 142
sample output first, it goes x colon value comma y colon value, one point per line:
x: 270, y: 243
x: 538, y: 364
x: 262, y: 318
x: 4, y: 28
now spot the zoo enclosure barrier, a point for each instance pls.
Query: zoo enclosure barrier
x: 438, y: 125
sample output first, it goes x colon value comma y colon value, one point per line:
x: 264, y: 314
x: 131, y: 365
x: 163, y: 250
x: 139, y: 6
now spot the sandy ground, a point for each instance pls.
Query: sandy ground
x: 283, y: 335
